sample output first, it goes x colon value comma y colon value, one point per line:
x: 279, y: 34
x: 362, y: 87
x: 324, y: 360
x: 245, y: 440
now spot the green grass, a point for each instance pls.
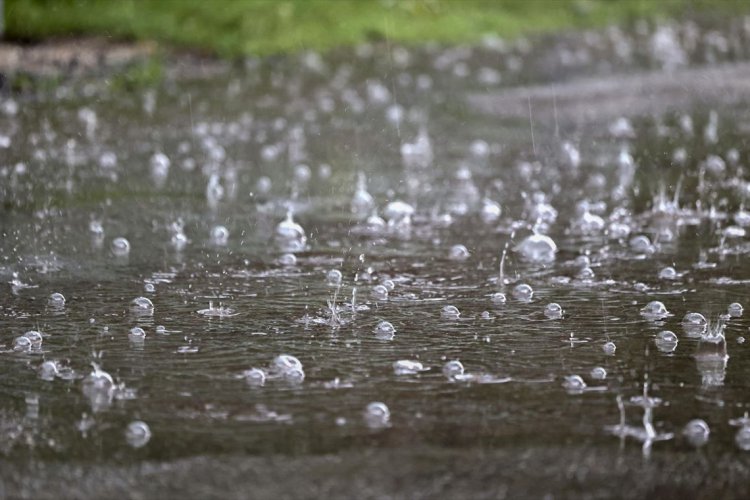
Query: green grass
x: 234, y: 28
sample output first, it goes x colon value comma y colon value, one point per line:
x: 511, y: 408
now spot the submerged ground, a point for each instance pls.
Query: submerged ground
x: 428, y: 178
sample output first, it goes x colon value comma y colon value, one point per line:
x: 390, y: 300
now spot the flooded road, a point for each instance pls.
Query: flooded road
x: 516, y: 269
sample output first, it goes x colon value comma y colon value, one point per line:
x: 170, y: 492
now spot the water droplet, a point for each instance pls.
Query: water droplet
x: 21, y: 344
x: 696, y: 432
x: 289, y: 235
x: 523, y: 292
x: 666, y: 341
x: 377, y: 415
x: 609, y: 348
x: 137, y: 434
x: 458, y: 252
x: 407, y: 367
x: 35, y: 338
x: 574, y: 384
x: 48, y: 370
x: 219, y: 235
x: 56, y: 300
x: 735, y: 310
x: 742, y: 438
x: 379, y: 292
x: 288, y: 260
x: 385, y: 331
x: 334, y: 277
x: 452, y: 369
x: 255, y: 376
x: 450, y: 312
x: 142, y: 306
x: 498, y: 298
x: 655, y: 310
x: 120, y: 247
x: 537, y: 248
x: 137, y: 334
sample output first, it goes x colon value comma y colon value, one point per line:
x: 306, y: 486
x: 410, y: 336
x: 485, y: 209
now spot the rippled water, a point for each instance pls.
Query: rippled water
x: 249, y: 147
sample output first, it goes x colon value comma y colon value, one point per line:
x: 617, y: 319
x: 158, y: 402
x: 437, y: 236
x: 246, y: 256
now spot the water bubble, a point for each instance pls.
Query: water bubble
x: 219, y: 235
x: 641, y: 244
x: 149, y: 288
x: 735, y: 310
x: 362, y: 202
x: 668, y: 273
x: 450, y: 312
x: 452, y: 369
x: 598, y: 373
x: 696, y: 432
x: 553, y: 310
x: 120, y: 247
x: 142, y: 306
x: 574, y: 384
x: 34, y: 337
x: 137, y: 333
x: 490, y: 211
x: 498, y: 298
x: 537, y: 248
x: 289, y: 235
x: 137, y: 434
x: 458, y: 252
x: 385, y: 330
x: 654, y: 310
x: 286, y: 363
x: 96, y: 229
x: 255, y: 376
x: 585, y: 274
x: 389, y: 285
x: 377, y: 415
x: 407, y: 367
x: 99, y: 389
x: 666, y: 341
x: 48, y: 370
x: 609, y: 348
x: 22, y: 344
x: 379, y: 292
x: 287, y: 260
x: 56, y: 300
x: 694, y: 324
x: 523, y: 292
x: 742, y: 438
x: 334, y: 277
x: 397, y: 211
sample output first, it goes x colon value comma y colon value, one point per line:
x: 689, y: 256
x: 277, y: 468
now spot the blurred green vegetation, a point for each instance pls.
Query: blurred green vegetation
x: 235, y: 28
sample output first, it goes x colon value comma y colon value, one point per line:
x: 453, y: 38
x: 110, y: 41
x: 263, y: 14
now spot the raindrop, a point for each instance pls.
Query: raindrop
x: 696, y: 432
x: 452, y: 369
x: 655, y: 310
x: 385, y: 331
x: 56, y: 300
x: 120, y: 247
x: 735, y: 310
x: 666, y: 341
x: 377, y: 415
x: 458, y: 252
x: 379, y: 292
x: 553, y: 311
x: 523, y: 292
x: 142, y: 306
x: 450, y: 312
x: 334, y: 277
x: 137, y: 434
x: 407, y: 367
x: 219, y: 235
x: 255, y: 376
x: 609, y: 348
x: 574, y: 384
